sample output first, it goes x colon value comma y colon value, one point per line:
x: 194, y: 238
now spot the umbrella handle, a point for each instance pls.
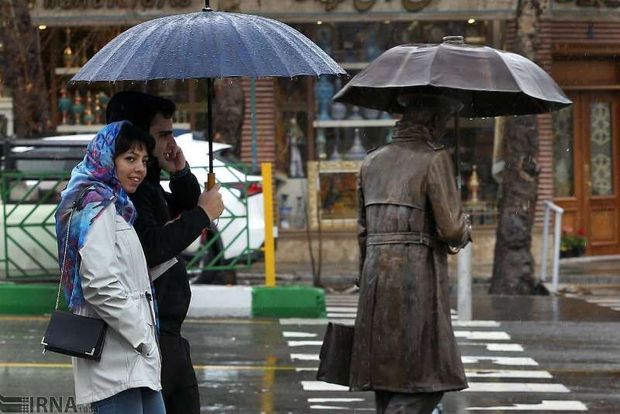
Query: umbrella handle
x: 210, y: 180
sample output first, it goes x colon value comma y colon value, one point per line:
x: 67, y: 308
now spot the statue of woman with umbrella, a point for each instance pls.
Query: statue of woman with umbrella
x: 410, y: 214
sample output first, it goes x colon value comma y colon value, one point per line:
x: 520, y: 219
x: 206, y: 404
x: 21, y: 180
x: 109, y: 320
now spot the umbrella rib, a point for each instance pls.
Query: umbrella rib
x: 308, y: 44
x: 127, y: 55
x: 243, y: 49
x: 278, y: 51
x: 170, y: 27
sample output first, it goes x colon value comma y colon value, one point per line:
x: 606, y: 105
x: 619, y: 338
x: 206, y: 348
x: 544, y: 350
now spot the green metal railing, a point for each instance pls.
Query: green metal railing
x: 28, y: 247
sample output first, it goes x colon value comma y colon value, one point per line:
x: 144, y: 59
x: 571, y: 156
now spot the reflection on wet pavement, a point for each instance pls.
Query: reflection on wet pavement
x: 245, y: 366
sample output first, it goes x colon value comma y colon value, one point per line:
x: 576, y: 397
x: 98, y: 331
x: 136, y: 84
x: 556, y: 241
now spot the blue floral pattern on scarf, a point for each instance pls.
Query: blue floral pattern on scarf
x: 94, y: 178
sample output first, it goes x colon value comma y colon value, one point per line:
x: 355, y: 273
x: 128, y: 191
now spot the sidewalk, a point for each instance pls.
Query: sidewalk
x: 594, y: 272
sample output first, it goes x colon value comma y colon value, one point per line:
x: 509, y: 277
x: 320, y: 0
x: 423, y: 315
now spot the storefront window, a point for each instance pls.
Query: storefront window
x: 563, y: 181
x: 340, y: 135
x: 479, y: 188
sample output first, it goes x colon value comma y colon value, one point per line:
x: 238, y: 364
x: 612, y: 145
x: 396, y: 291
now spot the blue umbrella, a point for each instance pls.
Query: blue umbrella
x: 207, y: 45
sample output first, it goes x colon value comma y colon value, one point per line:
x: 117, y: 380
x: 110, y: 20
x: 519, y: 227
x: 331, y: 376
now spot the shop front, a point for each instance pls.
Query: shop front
x: 583, y: 40
x: 317, y: 145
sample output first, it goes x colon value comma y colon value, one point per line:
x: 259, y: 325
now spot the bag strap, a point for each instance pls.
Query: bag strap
x: 64, y: 256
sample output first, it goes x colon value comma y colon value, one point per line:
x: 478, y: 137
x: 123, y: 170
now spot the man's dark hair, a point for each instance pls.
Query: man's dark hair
x: 129, y: 136
x: 138, y: 108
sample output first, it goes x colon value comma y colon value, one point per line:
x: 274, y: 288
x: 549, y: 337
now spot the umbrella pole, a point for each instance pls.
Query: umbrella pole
x: 211, y: 174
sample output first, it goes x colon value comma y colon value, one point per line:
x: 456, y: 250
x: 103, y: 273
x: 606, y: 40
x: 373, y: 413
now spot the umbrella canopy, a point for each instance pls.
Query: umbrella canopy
x: 488, y: 82
x: 207, y: 44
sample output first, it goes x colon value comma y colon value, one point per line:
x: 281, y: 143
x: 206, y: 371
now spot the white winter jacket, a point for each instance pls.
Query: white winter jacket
x: 116, y: 287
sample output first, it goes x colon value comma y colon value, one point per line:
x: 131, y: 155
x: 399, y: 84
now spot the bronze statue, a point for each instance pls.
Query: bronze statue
x: 410, y: 218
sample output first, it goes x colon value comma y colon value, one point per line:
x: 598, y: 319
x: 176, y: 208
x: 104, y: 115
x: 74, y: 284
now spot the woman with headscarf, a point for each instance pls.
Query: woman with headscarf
x: 105, y: 273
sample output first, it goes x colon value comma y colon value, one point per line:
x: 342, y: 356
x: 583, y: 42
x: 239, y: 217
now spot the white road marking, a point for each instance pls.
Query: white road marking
x: 349, y: 309
x: 305, y: 357
x: 483, y: 335
x: 305, y: 369
x: 291, y: 334
x: 322, y: 386
x: 324, y: 400
x: 545, y: 405
x: 514, y: 387
x: 476, y: 324
x: 519, y: 361
x: 490, y: 346
x: 304, y: 343
x: 341, y: 315
x: 506, y: 373
x: 328, y: 407
x: 505, y: 347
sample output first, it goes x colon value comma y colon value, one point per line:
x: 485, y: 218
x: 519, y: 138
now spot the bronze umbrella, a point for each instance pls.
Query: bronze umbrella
x: 488, y: 82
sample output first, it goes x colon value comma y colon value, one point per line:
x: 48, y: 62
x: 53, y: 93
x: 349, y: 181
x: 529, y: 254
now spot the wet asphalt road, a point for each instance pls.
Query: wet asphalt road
x: 531, y: 354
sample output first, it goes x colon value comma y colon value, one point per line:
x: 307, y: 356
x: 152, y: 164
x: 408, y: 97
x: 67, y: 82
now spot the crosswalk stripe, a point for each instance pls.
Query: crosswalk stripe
x: 494, y: 347
x: 304, y: 343
x: 497, y: 360
x: 328, y: 407
x: 349, y: 309
x: 514, y: 387
x: 291, y: 334
x: 322, y: 386
x: 545, y: 405
x: 500, y: 373
x: 483, y: 335
x: 341, y: 315
x: 305, y: 357
x: 476, y: 324
x: 323, y: 400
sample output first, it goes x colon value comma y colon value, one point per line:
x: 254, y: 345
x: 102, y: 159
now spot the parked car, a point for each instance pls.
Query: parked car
x: 241, y: 228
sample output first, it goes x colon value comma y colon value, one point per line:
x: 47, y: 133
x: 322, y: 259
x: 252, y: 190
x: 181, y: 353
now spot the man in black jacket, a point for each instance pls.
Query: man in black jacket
x: 167, y: 223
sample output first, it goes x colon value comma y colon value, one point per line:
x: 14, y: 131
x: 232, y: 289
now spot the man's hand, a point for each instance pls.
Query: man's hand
x: 174, y: 159
x: 211, y: 202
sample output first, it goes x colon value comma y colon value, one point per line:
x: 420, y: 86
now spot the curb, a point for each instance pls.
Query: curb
x: 257, y: 301
x: 589, y: 259
x: 29, y: 299
x: 207, y: 301
x: 213, y: 300
x: 288, y: 302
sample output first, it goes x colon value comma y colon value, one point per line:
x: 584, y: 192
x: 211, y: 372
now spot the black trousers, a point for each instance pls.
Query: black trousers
x: 401, y: 403
x: 178, y: 379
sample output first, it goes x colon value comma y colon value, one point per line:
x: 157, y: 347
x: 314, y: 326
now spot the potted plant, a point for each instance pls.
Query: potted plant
x: 573, y: 244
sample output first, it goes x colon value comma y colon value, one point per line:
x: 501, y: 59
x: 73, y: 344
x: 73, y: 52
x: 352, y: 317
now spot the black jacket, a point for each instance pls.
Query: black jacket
x: 167, y: 223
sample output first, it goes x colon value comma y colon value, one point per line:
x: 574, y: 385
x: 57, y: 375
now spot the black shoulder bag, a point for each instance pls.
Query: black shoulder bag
x: 70, y: 334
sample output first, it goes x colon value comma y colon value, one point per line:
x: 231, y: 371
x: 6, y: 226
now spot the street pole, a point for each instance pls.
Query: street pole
x: 463, y: 258
x: 464, y: 283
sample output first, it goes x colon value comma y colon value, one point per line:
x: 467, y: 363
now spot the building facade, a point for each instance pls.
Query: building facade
x: 316, y: 145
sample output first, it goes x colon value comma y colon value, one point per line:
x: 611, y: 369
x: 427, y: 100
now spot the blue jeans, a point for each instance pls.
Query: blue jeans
x: 131, y: 401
